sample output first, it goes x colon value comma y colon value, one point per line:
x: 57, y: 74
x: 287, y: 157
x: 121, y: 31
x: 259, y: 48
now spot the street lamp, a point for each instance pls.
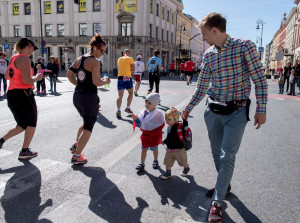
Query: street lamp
x: 260, y: 22
x: 42, y: 51
x: 190, y: 42
x: 180, y: 42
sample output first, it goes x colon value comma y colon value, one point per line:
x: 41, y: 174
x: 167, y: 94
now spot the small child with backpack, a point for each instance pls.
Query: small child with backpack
x: 179, y: 139
x: 281, y: 83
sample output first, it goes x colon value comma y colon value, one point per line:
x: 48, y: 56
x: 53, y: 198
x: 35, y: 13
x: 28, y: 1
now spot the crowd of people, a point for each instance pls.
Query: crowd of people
x: 226, y: 115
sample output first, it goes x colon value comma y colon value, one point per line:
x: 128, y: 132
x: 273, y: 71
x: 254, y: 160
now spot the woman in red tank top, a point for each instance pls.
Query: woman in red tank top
x: 20, y: 97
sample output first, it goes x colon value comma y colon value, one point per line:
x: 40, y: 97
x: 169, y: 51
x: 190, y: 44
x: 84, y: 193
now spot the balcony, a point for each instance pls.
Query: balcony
x: 124, y: 39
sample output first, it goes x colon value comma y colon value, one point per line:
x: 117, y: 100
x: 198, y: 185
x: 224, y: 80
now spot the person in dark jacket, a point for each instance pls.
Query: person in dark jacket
x: 286, y: 74
x: 53, y: 66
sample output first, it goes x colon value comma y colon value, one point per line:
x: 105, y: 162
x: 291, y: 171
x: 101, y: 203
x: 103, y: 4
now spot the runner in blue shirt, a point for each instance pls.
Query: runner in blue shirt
x: 154, y: 65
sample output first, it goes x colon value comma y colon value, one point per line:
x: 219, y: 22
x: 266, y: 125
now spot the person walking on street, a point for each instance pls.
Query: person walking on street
x: 228, y: 103
x: 3, y: 66
x: 287, y: 72
x: 172, y: 69
x: 154, y: 65
x: 182, y: 70
x: 53, y: 66
x: 85, y: 98
x: 292, y: 81
x: 125, y: 69
x: 138, y: 71
x: 20, y: 96
x: 297, y: 73
x: 190, y: 68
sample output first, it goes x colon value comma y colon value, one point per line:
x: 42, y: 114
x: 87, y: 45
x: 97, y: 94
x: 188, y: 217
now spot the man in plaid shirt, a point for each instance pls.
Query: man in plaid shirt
x: 228, y: 64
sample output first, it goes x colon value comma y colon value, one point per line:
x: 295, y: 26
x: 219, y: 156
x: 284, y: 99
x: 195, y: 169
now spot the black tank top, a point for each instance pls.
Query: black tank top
x: 84, y: 78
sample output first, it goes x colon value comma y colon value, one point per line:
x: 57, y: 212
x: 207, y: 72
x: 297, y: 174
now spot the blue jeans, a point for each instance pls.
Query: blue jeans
x: 281, y: 86
x: 225, y: 134
x: 52, y: 82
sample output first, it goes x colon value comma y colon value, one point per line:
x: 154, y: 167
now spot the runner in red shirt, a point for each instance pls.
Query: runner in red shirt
x: 172, y: 69
x: 182, y: 70
x: 190, y: 67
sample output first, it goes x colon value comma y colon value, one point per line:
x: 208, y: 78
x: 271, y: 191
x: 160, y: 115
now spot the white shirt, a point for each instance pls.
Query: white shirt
x: 3, y: 66
x: 139, y: 67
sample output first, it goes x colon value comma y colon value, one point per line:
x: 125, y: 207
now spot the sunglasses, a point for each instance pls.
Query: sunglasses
x: 102, y: 51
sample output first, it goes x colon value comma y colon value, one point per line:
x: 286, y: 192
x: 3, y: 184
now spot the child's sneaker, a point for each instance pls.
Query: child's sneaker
x: 74, y: 147
x: 215, y: 214
x: 185, y: 171
x: 79, y: 160
x: 167, y: 175
x: 155, y: 164
x: 27, y: 154
x: 140, y: 167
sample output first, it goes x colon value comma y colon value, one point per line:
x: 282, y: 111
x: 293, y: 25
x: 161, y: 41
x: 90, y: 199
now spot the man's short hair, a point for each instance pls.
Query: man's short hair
x: 2, y: 54
x: 214, y: 20
x: 127, y: 51
x: 156, y: 53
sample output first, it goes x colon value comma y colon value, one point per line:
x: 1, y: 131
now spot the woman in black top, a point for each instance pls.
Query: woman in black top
x: 85, y: 99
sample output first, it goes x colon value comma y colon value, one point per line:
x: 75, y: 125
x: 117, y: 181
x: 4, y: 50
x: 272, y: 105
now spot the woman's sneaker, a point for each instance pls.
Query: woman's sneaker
x: 140, y: 167
x: 211, y: 192
x: 78, y: 160
x: 185, y: 171
x: 74, y: 147
x: 27, y: 154
x: 155, y: 164
x: 167, y: 175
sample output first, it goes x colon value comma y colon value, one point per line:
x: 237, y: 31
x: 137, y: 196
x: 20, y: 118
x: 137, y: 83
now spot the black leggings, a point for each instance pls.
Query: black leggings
x: 22, y: 104
x: 154, y: 78
x: 87, y: 104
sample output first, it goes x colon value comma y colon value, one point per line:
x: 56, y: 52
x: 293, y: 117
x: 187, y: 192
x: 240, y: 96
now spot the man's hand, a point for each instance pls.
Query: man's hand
x: 259, y: 119
x: 185, y: 114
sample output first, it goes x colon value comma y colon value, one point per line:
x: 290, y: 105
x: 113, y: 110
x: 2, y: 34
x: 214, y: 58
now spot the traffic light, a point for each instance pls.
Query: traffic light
x: 76, y: 2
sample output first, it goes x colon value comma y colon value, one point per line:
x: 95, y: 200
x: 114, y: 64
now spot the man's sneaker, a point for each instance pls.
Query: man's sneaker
x: 215, y: 214
x: 185, y: 171
x: 135, y: 93
x: 155, y: 164
x: 128, y: 110
x: 27, y: 154
x: 211, y: 192
x: 119, y: 114
x: 78, y: 160
x: 167, y: 175
x: 140, y: 167
x: 74, y: 147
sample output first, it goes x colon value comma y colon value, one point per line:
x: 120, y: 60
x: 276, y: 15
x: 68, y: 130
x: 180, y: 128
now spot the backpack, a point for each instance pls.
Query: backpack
x: 187, y: 138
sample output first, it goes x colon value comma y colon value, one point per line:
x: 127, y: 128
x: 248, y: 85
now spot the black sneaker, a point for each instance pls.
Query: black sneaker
x: 185, y: 171
x: 119, y: 114
x: 167, y: 175
x: 27, y: 154
x: 211, y: 192
x: 155, y: 164
x: 128, y: 110
x: 140, y: 167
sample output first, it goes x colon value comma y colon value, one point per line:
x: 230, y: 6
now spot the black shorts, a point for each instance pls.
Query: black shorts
x: 189, y: 73
x: 182, y: 71
x: 87, y: 104
x: 22, y: 104
x: 172, y: 71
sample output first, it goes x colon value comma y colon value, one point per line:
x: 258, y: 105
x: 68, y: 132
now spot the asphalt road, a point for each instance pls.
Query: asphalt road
x: 265, y: 185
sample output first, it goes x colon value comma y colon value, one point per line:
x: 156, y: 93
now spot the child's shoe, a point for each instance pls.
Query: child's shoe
x: 185, y: 171
x: 140, y: 167
x: 167, y: 175
x: 155, y: 164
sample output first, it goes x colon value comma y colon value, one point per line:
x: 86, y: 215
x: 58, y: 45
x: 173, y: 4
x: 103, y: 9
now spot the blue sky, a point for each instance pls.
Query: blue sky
x: 242, y: 15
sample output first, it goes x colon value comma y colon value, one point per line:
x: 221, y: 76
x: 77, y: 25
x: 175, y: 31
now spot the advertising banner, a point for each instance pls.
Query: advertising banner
x: 82, y: 6
x: 125, y: 6
x: 16, y: 9
x: 60, y: 6
x: 27, y: 8
x: 47, y: 6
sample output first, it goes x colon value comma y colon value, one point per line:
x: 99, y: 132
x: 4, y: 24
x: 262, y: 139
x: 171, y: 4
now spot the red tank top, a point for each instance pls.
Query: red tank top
x: 15, y: 75
x: 189, y: 65
x: 182, y: 66
x: 172, y: 66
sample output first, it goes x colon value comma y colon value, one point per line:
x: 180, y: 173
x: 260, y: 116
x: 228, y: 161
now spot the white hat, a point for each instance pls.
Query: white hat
x: 139, y: 57
x: 153, y: 98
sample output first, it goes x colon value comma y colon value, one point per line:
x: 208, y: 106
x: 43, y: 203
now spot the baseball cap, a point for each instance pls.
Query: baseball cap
x: 26, y: 41
x: 139, y: 57
x: 39, y: 58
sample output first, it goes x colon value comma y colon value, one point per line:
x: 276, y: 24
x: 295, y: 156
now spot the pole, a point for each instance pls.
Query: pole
x: 41, y: 28
x: 262, y: 28
x: 108, y: 57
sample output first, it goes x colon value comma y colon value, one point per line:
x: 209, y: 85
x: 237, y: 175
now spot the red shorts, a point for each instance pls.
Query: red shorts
x: 137, y: 77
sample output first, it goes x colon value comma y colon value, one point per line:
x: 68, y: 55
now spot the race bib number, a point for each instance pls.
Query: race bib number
x: 126, y: 78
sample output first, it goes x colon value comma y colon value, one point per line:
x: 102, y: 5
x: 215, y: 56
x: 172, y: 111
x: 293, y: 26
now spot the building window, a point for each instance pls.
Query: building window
x: 162, y: 35
x: 48, y: 30
x: 157, y: 9
x: 168, y: 16
x: 82, y: 50
x: 28, y: 31
x: 167, y: 36
x: 96, y: 5
x: 156, y: 32
x: 82, y: 29
x: 163, y: 12
x: 151, y: 6
x: 60, y: 7
x: 150, y: 30
x: 172, y: 18
x: 27, y: 8
x: 126, y: 29
x: 16, y: 9
x: 0, y: 31
x: 60, y: 30
x: 97, y: 28
x: 17, y: 30
x: 171, y: 37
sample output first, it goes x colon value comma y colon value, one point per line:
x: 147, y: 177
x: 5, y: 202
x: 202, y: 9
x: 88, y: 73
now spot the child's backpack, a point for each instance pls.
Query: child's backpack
x: 187, y: 138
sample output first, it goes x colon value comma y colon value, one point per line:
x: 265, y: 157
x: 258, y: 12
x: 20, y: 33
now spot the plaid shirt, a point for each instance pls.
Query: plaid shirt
x: 229, y: 69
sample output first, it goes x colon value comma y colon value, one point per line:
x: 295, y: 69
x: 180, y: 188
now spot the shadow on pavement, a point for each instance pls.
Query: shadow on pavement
x: 102, y: 120
x: 21, y: 201
x: 107, y: 201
